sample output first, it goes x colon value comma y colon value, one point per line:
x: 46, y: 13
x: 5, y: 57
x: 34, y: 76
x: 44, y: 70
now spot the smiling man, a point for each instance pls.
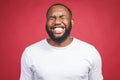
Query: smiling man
x: 59, y: 24
x: 60, y: 57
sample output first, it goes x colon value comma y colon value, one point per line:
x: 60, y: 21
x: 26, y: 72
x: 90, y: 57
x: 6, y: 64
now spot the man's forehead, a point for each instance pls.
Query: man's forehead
x: 58, y: 8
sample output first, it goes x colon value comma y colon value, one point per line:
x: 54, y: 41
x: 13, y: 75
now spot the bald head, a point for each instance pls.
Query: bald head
x: 59, y: 5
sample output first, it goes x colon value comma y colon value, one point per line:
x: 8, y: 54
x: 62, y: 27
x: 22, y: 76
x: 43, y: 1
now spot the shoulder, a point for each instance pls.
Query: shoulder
x: 36, y: 44
x: 83, y: 43
x: 35, y: 47
x: 85, y: 47
x: 88, y: 51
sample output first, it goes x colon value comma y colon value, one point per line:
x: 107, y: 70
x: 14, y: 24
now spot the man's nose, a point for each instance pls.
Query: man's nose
x: 57, y: 21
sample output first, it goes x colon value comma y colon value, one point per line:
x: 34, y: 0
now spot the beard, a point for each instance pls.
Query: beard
x: 61, y: 39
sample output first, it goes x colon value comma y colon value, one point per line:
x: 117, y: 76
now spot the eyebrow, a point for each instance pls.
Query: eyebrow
x: 52, y: 16
x: 62, y: 16
x: 55, y: 16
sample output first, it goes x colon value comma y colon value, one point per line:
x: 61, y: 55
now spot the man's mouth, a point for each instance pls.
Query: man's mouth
x: 58, y: 29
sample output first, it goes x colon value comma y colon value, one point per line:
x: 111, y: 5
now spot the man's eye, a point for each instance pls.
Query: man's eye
x: 51, y: 18
x: 62, y: 18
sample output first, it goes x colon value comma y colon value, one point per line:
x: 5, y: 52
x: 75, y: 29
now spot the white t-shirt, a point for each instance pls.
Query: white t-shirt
x: 77, y: 61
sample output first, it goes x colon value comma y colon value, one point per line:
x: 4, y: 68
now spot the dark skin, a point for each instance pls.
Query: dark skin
x: 59, y: 16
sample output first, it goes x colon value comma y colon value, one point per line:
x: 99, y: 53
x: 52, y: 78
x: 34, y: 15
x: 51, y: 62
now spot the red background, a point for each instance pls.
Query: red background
x: 22, y: 22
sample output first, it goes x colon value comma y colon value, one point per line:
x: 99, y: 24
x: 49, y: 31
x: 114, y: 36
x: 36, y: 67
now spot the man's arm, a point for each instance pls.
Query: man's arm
x: 26, y: 73
x: 96, y: 69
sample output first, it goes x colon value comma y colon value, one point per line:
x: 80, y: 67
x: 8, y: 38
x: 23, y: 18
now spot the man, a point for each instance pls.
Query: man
x: 60, y: 57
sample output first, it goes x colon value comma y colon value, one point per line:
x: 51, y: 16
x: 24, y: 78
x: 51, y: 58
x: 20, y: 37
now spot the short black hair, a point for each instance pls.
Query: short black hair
x: 56, y: 4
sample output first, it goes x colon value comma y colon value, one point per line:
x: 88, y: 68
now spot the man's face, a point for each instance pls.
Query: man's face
x: 59, y: 23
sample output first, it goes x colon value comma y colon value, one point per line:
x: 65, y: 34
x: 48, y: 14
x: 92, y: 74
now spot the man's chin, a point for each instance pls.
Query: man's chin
x: 59, y: 39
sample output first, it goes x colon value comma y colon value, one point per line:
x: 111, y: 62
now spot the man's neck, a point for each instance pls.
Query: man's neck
x: 62, y: 44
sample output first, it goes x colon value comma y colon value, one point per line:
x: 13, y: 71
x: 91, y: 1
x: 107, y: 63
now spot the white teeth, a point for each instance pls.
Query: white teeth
x: 58, y: 30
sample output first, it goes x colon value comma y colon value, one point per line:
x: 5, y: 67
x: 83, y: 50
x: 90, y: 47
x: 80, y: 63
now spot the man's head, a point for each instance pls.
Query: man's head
x: 59, y: 22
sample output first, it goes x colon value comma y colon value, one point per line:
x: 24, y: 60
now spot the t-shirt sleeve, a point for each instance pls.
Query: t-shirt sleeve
x: 26, y: 73
x: 96, y: 69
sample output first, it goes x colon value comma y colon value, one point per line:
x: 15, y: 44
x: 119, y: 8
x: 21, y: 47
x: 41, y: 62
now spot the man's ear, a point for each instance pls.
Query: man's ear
x: 72, y: 22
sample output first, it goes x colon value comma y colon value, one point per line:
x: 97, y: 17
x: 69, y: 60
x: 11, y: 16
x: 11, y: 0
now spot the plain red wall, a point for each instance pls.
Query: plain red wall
x: 22, y: 22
